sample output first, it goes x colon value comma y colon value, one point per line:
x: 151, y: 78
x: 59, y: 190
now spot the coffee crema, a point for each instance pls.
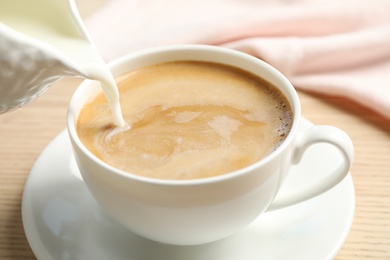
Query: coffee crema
x: 189, y: 120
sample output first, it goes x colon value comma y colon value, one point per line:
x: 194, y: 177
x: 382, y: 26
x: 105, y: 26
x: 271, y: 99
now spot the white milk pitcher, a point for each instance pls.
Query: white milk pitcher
x: 42, y: 41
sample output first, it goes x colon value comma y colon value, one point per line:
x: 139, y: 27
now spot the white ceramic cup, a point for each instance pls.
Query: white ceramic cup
x: 188, y: 212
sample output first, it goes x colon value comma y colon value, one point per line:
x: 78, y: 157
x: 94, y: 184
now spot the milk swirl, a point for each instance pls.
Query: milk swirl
x: 188, y: 120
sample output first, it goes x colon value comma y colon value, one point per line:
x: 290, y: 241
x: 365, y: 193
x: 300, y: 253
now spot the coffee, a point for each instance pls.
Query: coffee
x: 189, y: 119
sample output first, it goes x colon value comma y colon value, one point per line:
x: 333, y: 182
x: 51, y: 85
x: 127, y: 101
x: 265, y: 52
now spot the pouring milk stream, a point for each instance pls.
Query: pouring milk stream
x: 42, y: 41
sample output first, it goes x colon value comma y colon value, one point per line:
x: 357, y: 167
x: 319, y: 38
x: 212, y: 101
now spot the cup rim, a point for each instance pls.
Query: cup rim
x: 294, y: 102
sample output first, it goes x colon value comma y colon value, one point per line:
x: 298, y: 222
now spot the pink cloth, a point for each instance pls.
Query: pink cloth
x: 325, y: 46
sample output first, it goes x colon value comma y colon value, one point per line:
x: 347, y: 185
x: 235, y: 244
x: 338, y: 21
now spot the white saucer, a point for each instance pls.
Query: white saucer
x: 62, y: 220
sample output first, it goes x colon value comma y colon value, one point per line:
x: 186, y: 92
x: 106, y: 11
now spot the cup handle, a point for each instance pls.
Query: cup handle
x: 306, y: 138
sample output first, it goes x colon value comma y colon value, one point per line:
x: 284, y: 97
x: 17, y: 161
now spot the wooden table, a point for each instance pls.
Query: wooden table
x: 24, y: 133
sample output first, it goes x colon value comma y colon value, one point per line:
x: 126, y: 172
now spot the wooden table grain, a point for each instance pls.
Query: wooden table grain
x: 25, y: 132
